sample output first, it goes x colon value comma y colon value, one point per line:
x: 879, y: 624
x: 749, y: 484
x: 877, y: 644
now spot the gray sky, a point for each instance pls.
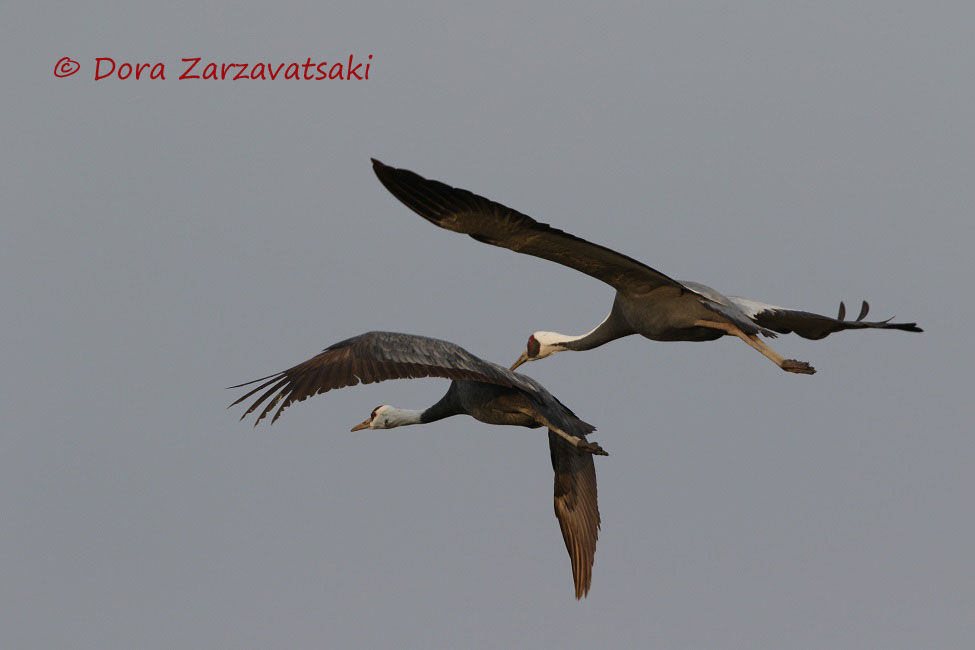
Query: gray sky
x: 164, y: 239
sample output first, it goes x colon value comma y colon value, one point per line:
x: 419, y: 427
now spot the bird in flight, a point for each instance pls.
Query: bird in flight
x: 484, y: 390
x: 647, y: 302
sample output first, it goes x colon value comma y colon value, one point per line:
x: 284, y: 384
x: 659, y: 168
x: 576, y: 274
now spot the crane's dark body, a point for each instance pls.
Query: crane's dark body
x: 484, y: 390
x: 662, y: 314
x: 488, y: 403
x: 647, y: 302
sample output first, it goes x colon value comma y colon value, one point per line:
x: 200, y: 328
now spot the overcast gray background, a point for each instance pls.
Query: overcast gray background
x: 163, y: 240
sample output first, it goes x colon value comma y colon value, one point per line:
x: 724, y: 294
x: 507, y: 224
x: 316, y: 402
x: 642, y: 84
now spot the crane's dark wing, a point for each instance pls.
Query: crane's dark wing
x: 492, y: 223
x: 374, y: 357
x: 813, y: 326
x: 576, y: 507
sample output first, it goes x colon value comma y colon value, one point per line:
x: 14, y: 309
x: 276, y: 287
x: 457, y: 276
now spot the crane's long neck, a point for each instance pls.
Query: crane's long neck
x: 613, y: 327
x: 446, y: 407
x: 397, y: 417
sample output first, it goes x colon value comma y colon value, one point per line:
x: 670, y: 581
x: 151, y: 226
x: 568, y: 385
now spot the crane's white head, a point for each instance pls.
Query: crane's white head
x: 387, y: 417
x: 541, y: 345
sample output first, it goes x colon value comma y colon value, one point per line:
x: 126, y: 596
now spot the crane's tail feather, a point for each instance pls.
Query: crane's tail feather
x: 859, y: 323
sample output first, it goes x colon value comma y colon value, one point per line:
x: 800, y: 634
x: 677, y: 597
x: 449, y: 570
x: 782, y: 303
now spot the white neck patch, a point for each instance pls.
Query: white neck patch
x: 388, y: 417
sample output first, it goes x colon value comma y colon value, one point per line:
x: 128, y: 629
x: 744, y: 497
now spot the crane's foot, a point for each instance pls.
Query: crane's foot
x: 798, y: 367
x: 592, y: 447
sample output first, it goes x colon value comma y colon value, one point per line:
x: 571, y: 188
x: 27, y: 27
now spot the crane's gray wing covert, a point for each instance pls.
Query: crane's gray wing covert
x: 492, y: 223
x: 374, y: 357
x: 576, y: 507
x: 813, y: 326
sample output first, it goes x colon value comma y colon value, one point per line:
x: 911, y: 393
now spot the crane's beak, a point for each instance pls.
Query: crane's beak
x: 522, y: 359
x: 362, y: 425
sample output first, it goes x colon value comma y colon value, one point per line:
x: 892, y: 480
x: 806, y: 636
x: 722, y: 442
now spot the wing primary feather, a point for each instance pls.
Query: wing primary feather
x: 272, y: 403
x: 253, y: 381
x: 283, y: 406
x: 281, y: 384
x: 271, y: 379
x: 302, y: 387
x: 277, y: 381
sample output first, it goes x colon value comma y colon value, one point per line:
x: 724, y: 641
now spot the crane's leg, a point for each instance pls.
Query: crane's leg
x: 580, y: 443
x: 789, y: 365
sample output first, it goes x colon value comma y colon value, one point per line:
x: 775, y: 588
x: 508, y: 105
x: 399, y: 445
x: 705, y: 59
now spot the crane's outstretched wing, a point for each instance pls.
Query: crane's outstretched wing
x: 813, y: 326
x: 576, y: 507
x: 374, y: 357
x: 492, y: 223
